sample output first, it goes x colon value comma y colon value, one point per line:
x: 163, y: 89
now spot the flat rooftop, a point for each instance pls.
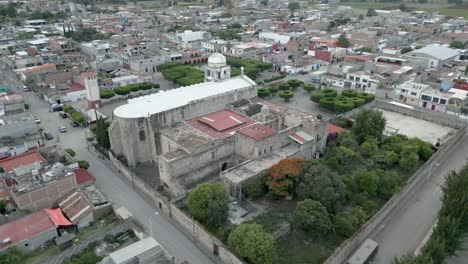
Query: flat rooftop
x: 166, y: 100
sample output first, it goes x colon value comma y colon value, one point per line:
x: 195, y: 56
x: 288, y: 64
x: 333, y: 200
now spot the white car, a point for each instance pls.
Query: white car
x: 37, y: 120
x: 62, y: 129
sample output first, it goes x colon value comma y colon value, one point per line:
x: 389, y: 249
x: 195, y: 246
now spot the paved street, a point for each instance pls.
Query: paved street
x: 406, y: 228
x: 107, y: 180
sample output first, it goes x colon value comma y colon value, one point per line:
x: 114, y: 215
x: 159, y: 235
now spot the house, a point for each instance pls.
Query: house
x: 410, y: 92
x: 192, y: 36
x: 145, y: 251
x: 32, y: 231
x: 434, y: 55
x: 361, y: 82
x: 329, y: 54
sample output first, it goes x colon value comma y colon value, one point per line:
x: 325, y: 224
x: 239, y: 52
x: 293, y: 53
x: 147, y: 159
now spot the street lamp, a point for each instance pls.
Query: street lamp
x: 151, y: 222
x: 430, y: 169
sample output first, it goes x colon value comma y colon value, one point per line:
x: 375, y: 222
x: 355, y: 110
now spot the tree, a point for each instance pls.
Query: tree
x: 70, y: 152
x: 2, y: 206
x: 78, y: 117
x: 263, y: 92
x: 409, y: 157
x: 343, y: 41
x: 403, y: 8
x: 84, y: 164
x: 312, y: 216
x: 368, y: 182
x: 308, y: 87
x: 369, y: 147
x: 252, y: 243
x: 321, y: 184
x: 457, y: 44
x: 368, y: 123
x: 406, y: 50
x: 283, y: 176
x: 283, y: 87
x: 11, y: 256
x: 389, y: 184
x: 294, y: 84
x: 293, y: 6
x: 286, y: 95
x: 102, y: 135
x: 348, y: 221
x: 371, y: 12
x: 208, y: 203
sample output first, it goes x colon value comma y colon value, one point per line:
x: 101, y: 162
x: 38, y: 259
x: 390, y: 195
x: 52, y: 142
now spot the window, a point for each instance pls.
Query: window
x: 260, y: 153
x: 212, y: 155
x: 142, y: 135
x: 435, y: 99
x: 271, y: 148
x: 413, y: 93
x: 426, y: 97
x: 443, y: 101
x: 264, y: 151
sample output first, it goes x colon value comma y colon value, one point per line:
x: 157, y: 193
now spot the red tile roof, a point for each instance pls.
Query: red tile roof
x: 334, y: 128
x: 256, y: 131
x: 57, y: 217
x: 20, y: 160
x: 75, y: 87
x: 75, y: 207
x: 11, y: 97
x: 220, y: 124
x: 25, y: 227
x: 39, y: 68
x: 82, y: 176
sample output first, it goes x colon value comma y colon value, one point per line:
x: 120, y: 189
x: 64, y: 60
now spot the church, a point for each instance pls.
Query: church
x: 211, y: 130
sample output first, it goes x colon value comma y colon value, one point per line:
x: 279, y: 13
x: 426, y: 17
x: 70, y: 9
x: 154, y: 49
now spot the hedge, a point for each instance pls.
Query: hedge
x: 106, y: 94
x: 294, y: 84
x: 308, y: 87
x: 349, y: 93
x: 366, y: 96
x: 286, y: 94
x: 357, y: 101
x: 263, y: 92
x: 273, y: 89
x: 283, y: 87
x: 317, y: 95
x: 124, y: 90
x: 274, y: 78
x: 328, y: 103
x: 342, y: 106
x: 329, y: 92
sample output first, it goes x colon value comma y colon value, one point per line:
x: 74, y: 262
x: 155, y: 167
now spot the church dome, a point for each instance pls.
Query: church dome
x: 217, y: 58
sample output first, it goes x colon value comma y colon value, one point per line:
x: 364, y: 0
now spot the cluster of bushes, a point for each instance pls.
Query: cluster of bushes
x: 251, y: 67
x: 452, y: 225
x: 124, y: 90
x: 76, y: 116
x: 182, y: 75
x: 348, y: 100
x: 274, y: 78
x: 86, y: 256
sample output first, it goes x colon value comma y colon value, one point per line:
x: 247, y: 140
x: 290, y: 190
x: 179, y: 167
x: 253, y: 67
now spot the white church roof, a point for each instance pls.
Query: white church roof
x: 165, y: 100
x: 217, y: 58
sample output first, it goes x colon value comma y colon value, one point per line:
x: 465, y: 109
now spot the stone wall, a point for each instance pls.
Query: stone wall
x: 212, y: 246
x: 347, y: 248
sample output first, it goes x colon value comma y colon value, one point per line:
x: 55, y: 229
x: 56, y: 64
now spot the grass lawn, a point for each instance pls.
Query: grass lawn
x: 450, y: 11
x: 108, y: 222
x: 40, y: 254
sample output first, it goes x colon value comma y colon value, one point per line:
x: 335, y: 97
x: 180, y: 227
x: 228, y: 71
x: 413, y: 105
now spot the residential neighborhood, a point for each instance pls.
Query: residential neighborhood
x: 234, y: 132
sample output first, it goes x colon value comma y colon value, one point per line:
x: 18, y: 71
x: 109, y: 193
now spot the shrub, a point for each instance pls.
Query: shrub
x: 357, y: 101
x: 156, y: 85
x: 124, y: 90
x: 274, y: 78
x: 309, y: 87
x: 106, y: 94
x: 366, y: 96
x: 68, y: 109
x: 273, y: 89
x: 78, y: 117
x: 70, y: 152
x: 283, y: 87
x: 255, y: 188
x: 134, y: 87
x: 316, y: 96
x: 83, y: 164
x: 294, y: 84
x: 328, y: 103
x: 146, y: 86
x: 329, y: 92
x: 263, y: 92
x: 342, y: 106
x: 349, y: 93
x: 286, y: 95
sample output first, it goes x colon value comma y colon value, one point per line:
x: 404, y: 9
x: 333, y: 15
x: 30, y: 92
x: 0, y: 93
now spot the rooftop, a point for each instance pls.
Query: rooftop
x: 83, y: 176
x: 438, y: 52
x: 9, y: 164
x: 10, y: 98
x: 166, y: 100
x: 256, y: 131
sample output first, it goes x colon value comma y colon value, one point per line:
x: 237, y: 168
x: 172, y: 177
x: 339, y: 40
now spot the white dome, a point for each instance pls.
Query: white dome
x: 217, y: 58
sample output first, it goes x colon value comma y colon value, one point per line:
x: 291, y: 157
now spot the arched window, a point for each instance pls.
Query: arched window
x: 142, y: 135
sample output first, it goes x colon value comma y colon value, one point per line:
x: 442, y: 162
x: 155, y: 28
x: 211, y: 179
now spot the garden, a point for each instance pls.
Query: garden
x: 318, y: 203
x: 182, y: 75
x: 284, y: 90
x: 251, y: 67
x: 349, y: 99
x: 127, y: 89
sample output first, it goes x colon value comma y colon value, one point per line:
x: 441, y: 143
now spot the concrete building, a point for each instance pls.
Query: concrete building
x: 145, y: 251
x: 361, y: 82
x: 410, y: 92
x: 217, y: 69
x: 131, y: 79
x: 192, y: 36
x: 433, y: 55
x: 92, y: 89
x: 195, y: 132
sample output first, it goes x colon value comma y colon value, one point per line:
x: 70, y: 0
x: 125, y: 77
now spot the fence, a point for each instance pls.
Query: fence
x: 341, y: 254
x: 207, y: 242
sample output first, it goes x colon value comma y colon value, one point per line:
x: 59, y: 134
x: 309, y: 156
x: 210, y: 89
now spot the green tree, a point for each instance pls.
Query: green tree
x: 312, y: 216
x: 368, y: 123
x: 102, y: 135
x: 286, y: 95
x: 293, y: 6
x: 391, y: 158
x: 343, y: 41
x: 283, y: 87
x: 70, y: 152
x: 457, y: 44
x: 321, y: 184
x: 409, y: 158
x: 403, y: 7
x: 368, y: 182
x: 294, y: 84
x: 308, y: 87
x: 371, y: 12
x: 78, y: 117
x: 389, y: 184
x: 11, y: 256
x: 436, y: 250
x: 369, y: 147
x: 252, y: 243
x: 208, y: 203
x: 263, y: 92
x: 406, y: 50
x: 2, y: 206
x: 348, y: 221
x: 84, y: 164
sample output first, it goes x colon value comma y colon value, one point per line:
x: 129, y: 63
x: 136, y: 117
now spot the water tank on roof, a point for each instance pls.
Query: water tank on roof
x: 58, y: 169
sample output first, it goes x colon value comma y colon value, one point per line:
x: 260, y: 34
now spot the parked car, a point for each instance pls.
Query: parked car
x: 56, y: 107
x: 74, y: 124
x: 26, y: 89
x: 63, y: 129
x: 37, y: 120
x: 48, y: 136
